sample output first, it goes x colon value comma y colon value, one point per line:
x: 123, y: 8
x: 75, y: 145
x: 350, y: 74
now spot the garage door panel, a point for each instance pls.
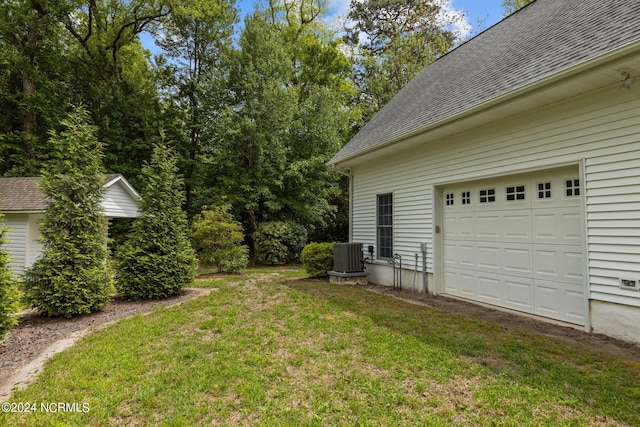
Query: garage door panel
x: 451, y: 282
x: 489, y: 288
x: 488, y: 257
x: 548, y: 299
x: 557, y: 226
x: 519, y: 294
x: 558, y: 263
x: 488, y: 227
x: 459, y: 255
x: 459, y: 226
x: 520, y: 254
x: 560, y: 301
x: 517, y: 260
x: 516, y: 227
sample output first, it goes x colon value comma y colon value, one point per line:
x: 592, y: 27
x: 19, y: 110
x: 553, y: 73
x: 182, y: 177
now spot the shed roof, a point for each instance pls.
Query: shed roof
x: 24, y: 194
x: 542, y: 39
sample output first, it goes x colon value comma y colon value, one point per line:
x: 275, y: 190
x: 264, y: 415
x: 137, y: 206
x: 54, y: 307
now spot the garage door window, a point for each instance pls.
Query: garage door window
x: 515, y: 192
x: 488, y: 196
x: 385, y: 225
x: 544, y: 190
x: 466, y: 197
x: 572, y: 187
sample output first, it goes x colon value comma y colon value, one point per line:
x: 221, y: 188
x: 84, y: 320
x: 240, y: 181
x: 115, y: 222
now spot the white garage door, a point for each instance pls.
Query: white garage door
x: 516, y: 242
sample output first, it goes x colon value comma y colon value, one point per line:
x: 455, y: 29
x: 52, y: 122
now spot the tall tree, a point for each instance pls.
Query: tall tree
x: 195, y: 43
x: 510, y: 6
x: 288, y: 115
x: 85, y: 52
x: 33, y: 93
x: 249, y: 158
x: 157, y: 260
x: 71, y: 276
x: 393, y: 41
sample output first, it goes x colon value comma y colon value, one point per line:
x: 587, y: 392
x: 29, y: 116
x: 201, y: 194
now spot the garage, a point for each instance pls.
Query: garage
x: 516, y: 242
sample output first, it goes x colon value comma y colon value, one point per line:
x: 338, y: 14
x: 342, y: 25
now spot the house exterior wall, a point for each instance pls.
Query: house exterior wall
x: 599, y: 132
x: 117, y: 203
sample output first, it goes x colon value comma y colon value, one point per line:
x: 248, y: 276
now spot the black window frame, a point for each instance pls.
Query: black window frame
x: 487, y: 195
x: 384, y: 226
x: 572, y: 187
x: 450, y: 199
x: 515, y: 193
x: 466, y: 197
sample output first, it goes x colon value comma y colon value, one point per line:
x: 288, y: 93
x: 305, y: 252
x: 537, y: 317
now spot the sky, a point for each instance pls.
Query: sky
x: 478, y: 15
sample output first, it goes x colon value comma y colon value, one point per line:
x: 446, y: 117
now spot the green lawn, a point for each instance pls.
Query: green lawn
x: 276, y: 349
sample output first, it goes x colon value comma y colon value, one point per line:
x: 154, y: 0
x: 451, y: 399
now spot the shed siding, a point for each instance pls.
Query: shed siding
x: 117, y: 203
x: 17, y: 237
x: 34, y: 247
x: 602, y: 129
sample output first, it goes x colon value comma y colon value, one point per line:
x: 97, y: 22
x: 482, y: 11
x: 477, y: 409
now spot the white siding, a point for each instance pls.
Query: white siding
x: 34, y: 247
x: 118, y: 203
x: 17, y: 237
x: 602, y: 129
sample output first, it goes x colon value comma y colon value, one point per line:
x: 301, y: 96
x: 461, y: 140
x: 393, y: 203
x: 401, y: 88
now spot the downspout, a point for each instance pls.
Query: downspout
x: 347, y: 173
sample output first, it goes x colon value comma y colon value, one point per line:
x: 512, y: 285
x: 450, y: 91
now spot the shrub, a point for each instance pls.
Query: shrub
x: 279, y: 242
x: 157, y: 259
x: 9, y: 294
x: 71, y: 276
x: 217, y: 239
x: 318, y: 259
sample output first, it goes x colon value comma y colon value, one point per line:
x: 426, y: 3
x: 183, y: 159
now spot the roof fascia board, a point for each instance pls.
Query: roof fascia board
x: 613, y: 55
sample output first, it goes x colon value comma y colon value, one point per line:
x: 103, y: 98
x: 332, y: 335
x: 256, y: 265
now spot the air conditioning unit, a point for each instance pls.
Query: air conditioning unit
x: 347, y: 257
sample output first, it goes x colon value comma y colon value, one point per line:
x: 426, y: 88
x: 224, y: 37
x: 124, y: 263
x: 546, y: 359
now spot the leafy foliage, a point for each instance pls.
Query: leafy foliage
x: 196, y: 45
x: 71, y: 277
x: 279, y: 242
x: 217, y: 239
x: 157, y: 260
x: 317, y: 259
x: 253, y: 117
x: 511, y: 6
x: 393, y: 40
x: 9, y: 294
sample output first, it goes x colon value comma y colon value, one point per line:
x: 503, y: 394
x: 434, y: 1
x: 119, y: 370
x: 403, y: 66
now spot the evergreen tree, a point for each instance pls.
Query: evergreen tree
x: 9, y: 295
x: 71, y: 276
x: 157, y: 260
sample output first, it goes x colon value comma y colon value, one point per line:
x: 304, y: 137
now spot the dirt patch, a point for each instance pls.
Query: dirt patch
x: 35, y: 339
x: 507, y: 320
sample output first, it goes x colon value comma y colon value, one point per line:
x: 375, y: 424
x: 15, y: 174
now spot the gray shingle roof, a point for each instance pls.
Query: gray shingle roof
x: 544, y: 38
x: 24, y: 194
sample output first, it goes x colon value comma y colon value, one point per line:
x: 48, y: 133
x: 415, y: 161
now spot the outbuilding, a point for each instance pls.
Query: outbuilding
x: 23, y: 205
x: 510, y: 169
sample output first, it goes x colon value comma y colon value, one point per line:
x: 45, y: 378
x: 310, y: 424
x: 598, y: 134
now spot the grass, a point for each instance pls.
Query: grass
x: 273, y: 348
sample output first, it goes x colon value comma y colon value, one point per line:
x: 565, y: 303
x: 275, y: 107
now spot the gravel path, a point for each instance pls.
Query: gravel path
x: 35, y: 339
